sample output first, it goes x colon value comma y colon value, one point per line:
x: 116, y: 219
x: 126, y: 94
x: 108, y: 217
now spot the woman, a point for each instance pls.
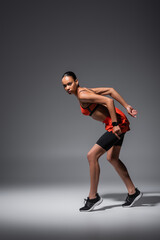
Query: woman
x: 101, y: 108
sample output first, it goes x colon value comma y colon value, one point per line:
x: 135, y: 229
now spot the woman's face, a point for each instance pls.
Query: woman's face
x: 70, y: 85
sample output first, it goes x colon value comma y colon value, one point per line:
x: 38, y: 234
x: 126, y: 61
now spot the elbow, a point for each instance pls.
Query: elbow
x: 111, y: 91
x: 110, y: 101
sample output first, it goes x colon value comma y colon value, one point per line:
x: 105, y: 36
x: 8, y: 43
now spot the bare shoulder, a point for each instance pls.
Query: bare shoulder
x: 83, y: 91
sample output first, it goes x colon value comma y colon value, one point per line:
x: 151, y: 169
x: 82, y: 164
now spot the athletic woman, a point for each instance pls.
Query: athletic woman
x: 101, y: 108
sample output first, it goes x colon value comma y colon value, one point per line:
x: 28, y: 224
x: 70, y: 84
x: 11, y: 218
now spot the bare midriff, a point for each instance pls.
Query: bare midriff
x: 100, y: 114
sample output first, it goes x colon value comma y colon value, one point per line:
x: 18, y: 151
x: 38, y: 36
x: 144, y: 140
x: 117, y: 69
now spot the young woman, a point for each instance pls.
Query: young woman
x: 101, y: 108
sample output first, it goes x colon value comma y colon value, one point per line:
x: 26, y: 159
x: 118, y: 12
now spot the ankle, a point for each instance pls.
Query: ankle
x: 132, y: 191
x: 92, y: 196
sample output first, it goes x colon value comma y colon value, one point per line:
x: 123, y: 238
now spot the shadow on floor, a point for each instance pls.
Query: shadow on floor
x: 147, y: 200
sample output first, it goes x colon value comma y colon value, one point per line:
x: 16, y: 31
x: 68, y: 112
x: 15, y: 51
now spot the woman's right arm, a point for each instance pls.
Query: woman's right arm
x: 89, y: 97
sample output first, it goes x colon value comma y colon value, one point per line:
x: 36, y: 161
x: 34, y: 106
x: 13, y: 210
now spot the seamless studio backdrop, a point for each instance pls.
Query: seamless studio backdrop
x: 44, y: 136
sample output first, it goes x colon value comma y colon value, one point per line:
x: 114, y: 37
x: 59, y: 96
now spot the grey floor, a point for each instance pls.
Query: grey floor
x: 52, y: 212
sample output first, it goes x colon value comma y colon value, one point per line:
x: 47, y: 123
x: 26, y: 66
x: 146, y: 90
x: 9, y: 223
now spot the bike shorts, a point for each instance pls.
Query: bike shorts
x: 109, y: 139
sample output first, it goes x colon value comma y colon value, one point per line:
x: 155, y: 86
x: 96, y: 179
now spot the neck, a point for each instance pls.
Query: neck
x: 76, y: 92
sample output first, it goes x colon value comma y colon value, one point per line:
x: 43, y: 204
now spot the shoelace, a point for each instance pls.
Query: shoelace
x: 129, y: 199
x: 88, y: 203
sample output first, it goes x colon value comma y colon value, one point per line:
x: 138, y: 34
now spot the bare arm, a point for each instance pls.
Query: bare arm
x: 102, y: 90
x: 90, y: 97
x: 114, y: 94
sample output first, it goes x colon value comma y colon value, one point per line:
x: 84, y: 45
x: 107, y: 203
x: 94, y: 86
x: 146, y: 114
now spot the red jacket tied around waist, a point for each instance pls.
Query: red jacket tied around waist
x: 122, y: 122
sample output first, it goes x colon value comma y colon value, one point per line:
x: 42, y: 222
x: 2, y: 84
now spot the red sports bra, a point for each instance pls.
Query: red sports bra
x: 121, y: 118
x: 90, y: 109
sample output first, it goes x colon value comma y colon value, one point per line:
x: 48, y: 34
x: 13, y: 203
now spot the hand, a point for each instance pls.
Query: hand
x: 131, y: 111
x: 117, y: 131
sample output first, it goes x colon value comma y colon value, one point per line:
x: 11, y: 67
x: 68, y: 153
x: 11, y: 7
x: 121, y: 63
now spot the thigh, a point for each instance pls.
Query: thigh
x: 113, y: 153
x: 109, y: 139
x: 96, y: 151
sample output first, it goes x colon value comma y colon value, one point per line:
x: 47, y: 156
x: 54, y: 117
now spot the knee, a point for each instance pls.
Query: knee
x: 92, y: 158
x: 112, y: 160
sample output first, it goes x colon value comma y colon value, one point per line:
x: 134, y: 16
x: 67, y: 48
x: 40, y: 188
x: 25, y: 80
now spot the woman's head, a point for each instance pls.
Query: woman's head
x: 70, y: 82
x: 70, y: 74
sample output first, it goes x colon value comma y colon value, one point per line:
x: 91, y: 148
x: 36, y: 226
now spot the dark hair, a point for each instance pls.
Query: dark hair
x: 71, y: 74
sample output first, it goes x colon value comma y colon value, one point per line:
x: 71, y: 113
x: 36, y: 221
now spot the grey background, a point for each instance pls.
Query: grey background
x: 44, y: 136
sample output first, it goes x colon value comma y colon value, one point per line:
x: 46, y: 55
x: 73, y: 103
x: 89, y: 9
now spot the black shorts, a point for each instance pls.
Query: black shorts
x: 109, y: 139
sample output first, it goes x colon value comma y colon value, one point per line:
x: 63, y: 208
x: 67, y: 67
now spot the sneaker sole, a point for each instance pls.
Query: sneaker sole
x: 96, y: 204
x: 135, y: 200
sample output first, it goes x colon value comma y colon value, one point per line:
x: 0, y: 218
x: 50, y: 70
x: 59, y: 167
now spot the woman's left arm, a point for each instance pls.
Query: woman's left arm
x: 114, y: 94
